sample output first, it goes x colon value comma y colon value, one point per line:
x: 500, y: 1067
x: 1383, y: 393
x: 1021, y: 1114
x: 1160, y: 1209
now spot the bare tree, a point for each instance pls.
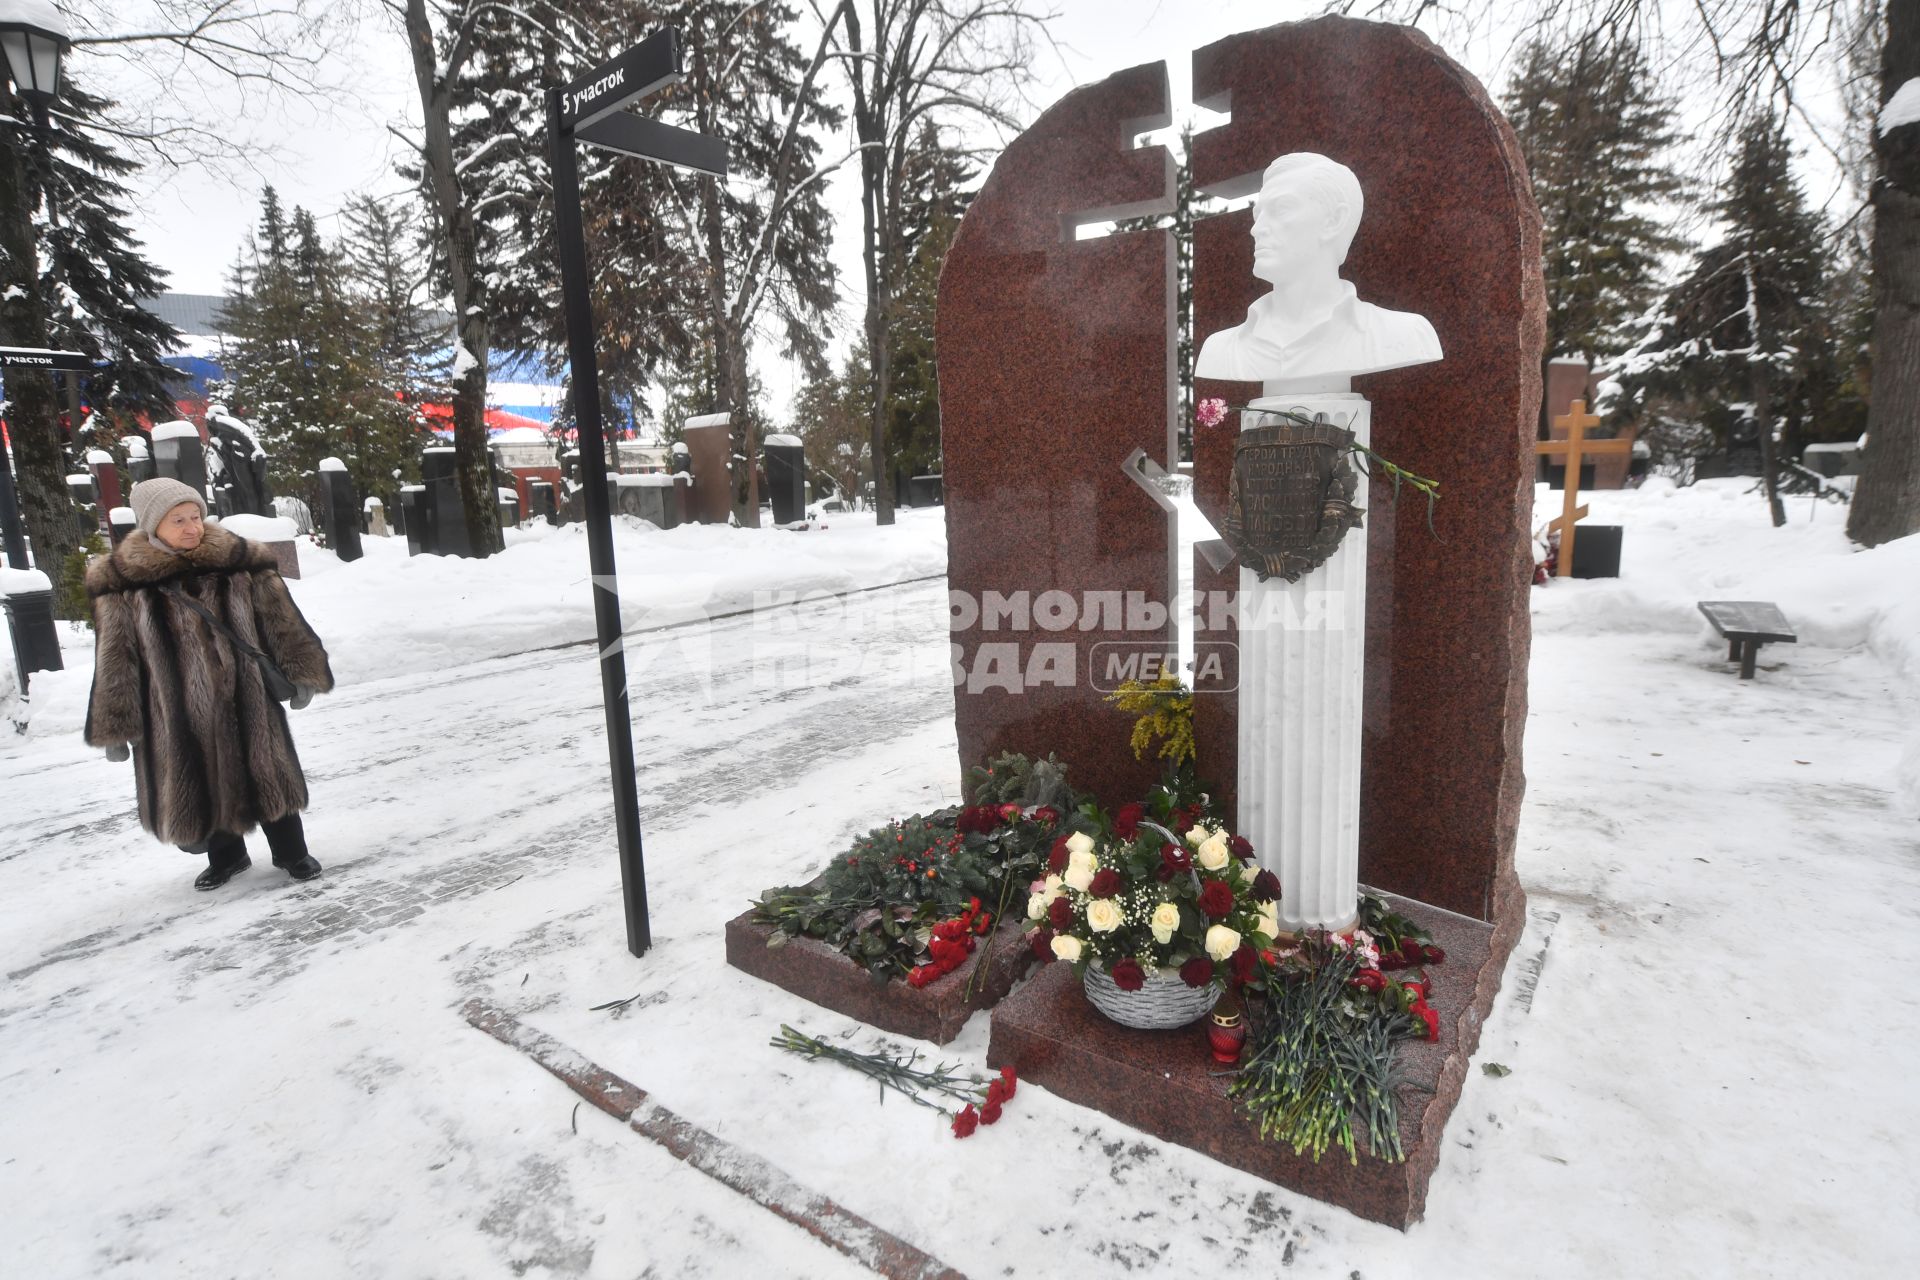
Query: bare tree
x: 1759, y: 52
x: 908, y: 61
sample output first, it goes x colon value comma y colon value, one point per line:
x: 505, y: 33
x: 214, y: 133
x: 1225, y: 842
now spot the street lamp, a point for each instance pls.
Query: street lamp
x: 34, y: 35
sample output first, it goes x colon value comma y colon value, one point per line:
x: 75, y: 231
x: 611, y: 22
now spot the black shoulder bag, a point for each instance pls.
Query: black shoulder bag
x: 279, y: 688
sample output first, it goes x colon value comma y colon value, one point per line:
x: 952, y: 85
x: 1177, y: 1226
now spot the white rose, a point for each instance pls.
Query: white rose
x: 1066, y: 947
x: 1198, y: 835
x: 1269, y: 919
x: 1080, y: 868
x: 1222, y: 942
x: 1103, y: 915
x: 1036, y: 905
x: 1079, y: 842
x: 1166, y: 918
x: 1212, y: 854
x: 1248, y: 872
x: 1054, y: 887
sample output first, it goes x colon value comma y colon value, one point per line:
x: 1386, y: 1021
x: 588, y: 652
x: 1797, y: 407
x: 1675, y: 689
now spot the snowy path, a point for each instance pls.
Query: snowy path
x: 1707, y: 1021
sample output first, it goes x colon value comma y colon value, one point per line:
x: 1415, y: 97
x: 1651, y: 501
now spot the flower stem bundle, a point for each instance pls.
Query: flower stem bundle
x: 936, y: 1088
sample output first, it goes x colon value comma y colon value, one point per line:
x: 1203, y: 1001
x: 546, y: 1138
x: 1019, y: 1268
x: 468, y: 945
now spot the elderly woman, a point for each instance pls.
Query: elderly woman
x: 184, y: 615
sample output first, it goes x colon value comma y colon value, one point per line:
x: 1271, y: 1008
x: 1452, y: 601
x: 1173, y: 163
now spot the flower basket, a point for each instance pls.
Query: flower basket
x: 1164, y: 1002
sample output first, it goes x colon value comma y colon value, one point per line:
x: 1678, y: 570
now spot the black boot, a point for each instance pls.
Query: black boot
x: 304, y: 869
x: 220, y: 870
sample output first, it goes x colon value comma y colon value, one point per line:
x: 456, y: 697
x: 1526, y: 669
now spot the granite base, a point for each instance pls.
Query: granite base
x: 1164, y: 1082
x: 815, y: 971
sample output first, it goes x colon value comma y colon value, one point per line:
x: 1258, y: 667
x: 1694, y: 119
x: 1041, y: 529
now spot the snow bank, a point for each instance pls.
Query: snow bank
x: 20, y: 582
x: 1714, y: 541
x: 261, y: 528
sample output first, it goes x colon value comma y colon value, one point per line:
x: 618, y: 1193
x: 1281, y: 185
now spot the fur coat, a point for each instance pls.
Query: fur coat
x: 211, y: 748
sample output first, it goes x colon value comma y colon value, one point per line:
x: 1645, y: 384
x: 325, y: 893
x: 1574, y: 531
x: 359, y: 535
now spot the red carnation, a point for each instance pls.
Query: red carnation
x: 1126, y: 824
x: 1413, y: 951
x: 922, y: 975
x: 1370, y: 980
x: 990, y: 1112
x: 996, y: 1092
x: 984, y: 923
x: 1266, y: 887
x: 1243, y: 962
x: 1217, y: 899
x: 1128, y: 975
x: 1197, y: 972
x: 966, y: 1122
x: 1060, y: 914
x: 1175, y: 858
x: 1010, y: 1078
x: 1435, y: 955
x: 1426, y: 1014
x: 1240, y: 847
x: 1057, y: 857
x: 1040, y: 942
x: 1106, y: 883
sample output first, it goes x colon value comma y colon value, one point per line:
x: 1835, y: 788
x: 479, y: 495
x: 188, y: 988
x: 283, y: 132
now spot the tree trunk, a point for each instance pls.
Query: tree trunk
x: 40, y: 474
x: 1886, y: 500
x: 872, y: 176
x: 460, y: 237
x: 729, y: 354
x: 1763, y: 419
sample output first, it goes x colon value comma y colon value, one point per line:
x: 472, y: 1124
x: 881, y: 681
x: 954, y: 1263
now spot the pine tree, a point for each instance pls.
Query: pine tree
x: 1596, y: 137
x: 934, y: 179
x: 1745, y: 337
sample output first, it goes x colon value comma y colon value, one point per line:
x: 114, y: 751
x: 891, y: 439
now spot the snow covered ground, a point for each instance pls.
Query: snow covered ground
x: 1706, y: 1021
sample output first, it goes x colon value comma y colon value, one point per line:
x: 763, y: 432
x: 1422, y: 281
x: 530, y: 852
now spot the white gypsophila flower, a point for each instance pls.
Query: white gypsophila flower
x: 1221, y: 943
x: 1066, y: 947
x: 1103, y: 915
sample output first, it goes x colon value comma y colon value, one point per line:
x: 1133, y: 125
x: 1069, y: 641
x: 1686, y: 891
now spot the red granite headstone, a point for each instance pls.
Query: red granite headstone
x: 1056, y: 362
x: 1450, y: 232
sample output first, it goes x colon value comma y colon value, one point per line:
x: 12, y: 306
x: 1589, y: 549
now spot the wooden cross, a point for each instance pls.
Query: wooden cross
x: 1575, y: 448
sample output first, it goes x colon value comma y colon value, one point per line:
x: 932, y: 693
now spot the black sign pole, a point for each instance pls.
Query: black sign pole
x: 577, y: 304
x: 11, y: 532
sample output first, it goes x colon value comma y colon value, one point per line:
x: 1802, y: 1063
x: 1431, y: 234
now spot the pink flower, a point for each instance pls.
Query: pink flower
x: 1210, y: 412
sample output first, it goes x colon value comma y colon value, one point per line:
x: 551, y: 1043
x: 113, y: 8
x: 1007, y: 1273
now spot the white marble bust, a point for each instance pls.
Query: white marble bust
x: 1311, y: 327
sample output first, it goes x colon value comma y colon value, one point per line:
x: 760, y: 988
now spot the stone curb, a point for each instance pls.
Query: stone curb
x: 880, y: 1251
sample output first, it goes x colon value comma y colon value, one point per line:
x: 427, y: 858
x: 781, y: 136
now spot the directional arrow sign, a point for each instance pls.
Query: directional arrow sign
x: 635, y: 135
x: 652, y: 64
x: 41, y: 358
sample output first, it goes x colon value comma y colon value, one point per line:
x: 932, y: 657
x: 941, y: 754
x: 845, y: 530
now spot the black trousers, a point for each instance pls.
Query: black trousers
x: 285, y: 836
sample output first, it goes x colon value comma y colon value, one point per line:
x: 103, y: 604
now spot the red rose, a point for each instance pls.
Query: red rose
x: 1197, y: 972
x: 966, y: 1122
x: 1243, y: 961
x: 1217, y: 899
x: 990, y: 1112
x: 1173, y: 857
x: 1046, y: 815
x: 1009, y: 813
x: 1164, y: 873
x: 1040, y: 942
x: 1266, y: 887
x: 1126, y: 824
x: 1057, y: 857
x: 1240, y: 847
x: 979, y: 818
x: 1435, y: 955
x: 1413, y: 951
x: 1060, y: 914
x: 1106, y: 883
x: 1128, y: 975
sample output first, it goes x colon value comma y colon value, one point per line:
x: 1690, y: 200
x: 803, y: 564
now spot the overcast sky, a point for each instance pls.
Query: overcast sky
x: 319, y: 153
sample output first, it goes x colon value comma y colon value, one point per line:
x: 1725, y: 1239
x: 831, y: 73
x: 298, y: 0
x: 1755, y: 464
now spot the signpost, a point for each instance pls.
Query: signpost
x: 12, y: 535
x: 591, y: 110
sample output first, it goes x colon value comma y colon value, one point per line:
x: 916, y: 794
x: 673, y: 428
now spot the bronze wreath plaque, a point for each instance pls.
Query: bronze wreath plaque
x: 1291, y: 497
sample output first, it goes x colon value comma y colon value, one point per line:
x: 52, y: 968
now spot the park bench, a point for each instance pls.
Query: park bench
x: 1746, y: 625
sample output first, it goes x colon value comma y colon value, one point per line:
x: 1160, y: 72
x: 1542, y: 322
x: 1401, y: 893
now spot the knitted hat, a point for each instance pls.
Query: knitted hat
x: 152, y: 499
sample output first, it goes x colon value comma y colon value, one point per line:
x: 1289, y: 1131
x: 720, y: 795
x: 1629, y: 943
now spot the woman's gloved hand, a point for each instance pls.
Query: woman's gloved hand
x: 119, y: 752
x: 302, y: 695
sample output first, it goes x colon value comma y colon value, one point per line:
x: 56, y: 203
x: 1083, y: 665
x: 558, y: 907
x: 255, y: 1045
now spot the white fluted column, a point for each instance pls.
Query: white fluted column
x: 1302, y: 649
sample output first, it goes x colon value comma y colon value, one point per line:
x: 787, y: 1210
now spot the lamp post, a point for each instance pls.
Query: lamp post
x: 33, y: 36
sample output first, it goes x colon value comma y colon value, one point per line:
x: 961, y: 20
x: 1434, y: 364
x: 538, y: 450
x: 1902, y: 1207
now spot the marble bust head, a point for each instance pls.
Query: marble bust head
x: 1311, y: 326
